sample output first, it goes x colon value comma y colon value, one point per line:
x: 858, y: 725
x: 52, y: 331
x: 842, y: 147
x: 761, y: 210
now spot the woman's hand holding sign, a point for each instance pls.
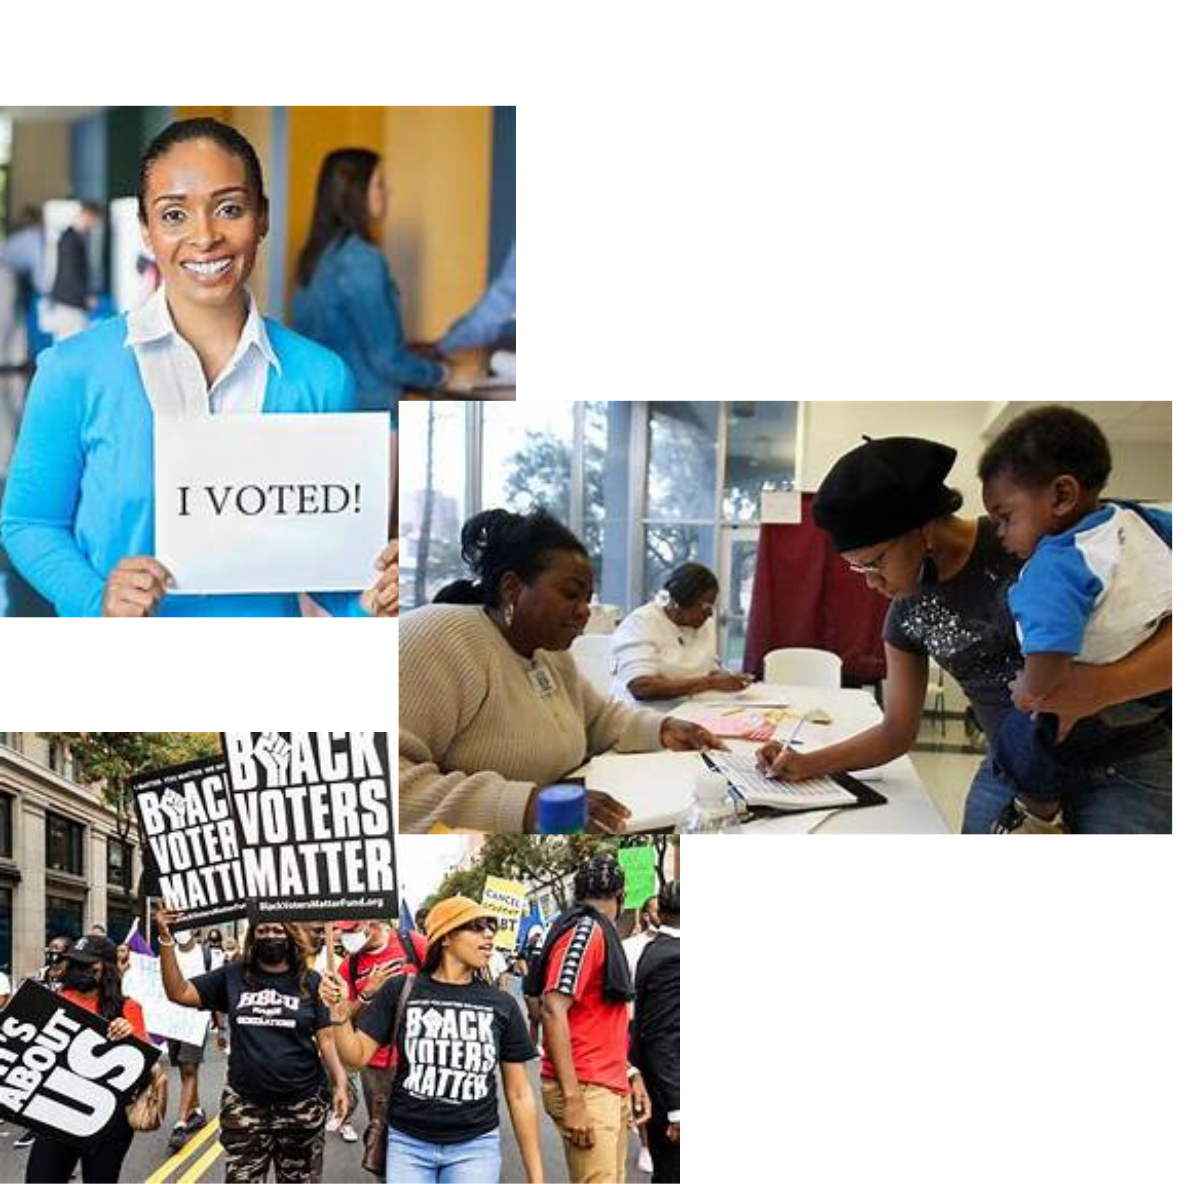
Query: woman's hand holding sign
x: 135, y: 586
x: 383, y: 600
x: 119, y: 1028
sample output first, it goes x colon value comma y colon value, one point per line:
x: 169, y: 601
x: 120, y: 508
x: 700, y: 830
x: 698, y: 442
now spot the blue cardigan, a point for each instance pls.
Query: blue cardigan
x: 80, y: 493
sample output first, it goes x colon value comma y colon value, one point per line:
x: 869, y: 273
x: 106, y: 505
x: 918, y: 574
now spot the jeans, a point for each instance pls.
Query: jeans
x: 1025, y: 757
x: 413, y: 1161
x: 1131, y: 796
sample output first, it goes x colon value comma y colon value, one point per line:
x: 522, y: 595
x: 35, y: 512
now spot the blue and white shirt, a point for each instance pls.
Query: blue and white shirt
x: 1098, y: 590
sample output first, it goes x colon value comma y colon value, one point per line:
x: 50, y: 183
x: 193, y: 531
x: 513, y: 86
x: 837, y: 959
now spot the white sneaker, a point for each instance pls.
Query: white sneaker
x: 645, y: 1163
x: 349, y: 1134
x: 332, y: 1124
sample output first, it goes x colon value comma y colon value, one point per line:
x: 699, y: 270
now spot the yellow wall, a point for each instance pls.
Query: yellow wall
x: 439, y: 166
x: 312, y: 133
x: 438, y: 163
x: 41, y: 163
x: 224, y: 114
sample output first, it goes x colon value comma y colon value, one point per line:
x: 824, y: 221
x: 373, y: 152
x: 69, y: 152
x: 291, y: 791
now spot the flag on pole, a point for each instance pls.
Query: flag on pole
x: 407, y: 924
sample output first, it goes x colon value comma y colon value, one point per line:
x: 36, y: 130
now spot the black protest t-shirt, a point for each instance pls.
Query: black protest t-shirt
x: 273, y: 1025
x: 453, y: 1038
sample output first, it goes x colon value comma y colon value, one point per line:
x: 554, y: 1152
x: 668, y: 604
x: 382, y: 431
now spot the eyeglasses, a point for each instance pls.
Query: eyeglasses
x: 873, y: 566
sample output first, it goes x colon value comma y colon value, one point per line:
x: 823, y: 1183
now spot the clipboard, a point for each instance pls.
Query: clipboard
x: 789, y: 797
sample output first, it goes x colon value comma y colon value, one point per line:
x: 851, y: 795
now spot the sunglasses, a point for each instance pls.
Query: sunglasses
x: 482, y: 925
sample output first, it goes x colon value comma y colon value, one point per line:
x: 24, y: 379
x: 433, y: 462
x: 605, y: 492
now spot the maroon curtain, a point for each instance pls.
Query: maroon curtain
x: 805, y: 595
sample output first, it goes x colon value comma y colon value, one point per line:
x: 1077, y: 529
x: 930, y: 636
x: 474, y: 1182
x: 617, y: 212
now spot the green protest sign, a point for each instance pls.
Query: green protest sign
x: 638, y: 866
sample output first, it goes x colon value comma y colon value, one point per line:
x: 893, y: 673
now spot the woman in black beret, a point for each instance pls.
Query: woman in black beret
x: 891, y: 516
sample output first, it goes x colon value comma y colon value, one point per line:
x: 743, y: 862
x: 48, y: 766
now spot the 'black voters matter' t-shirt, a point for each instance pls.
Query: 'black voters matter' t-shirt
x: 273, y: 1026
x: 452, y: 1040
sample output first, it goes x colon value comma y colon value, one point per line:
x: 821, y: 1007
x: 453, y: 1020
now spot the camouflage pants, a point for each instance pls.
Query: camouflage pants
x: 291, y: 1136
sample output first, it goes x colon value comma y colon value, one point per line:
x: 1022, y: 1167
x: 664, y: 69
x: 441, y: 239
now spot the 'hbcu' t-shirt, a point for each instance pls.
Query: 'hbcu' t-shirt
x: 273, y: 1057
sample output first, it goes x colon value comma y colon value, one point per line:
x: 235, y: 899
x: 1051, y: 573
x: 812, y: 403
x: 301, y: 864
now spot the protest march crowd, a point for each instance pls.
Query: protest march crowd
x: 325, y: 1005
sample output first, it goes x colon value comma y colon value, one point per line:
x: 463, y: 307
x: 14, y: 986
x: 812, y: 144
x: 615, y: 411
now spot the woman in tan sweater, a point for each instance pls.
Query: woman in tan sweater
x: 492, y: 706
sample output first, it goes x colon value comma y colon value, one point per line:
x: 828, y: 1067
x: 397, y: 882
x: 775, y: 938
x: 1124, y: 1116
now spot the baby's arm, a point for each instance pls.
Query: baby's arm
x: 1041, y: 674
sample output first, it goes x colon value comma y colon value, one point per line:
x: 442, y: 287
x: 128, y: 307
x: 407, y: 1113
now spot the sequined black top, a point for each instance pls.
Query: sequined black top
x: 965, y: 626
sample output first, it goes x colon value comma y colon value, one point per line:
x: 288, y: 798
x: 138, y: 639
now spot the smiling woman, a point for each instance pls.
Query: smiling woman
x: 78, y: 514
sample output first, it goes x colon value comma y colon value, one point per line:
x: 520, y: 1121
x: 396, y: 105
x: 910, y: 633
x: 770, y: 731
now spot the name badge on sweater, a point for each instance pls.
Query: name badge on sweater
x: 541, y: 680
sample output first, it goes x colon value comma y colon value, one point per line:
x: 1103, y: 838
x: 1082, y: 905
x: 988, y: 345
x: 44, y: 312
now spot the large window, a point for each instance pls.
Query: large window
x: 681, y: 478
x: 64, y: 917
x: 120, y: 918
x: 606, y: 515
x: 740, y: 559
x: 647, y: 486
x: 64, y: 845
x: 760, y: 450
x: 120, y: 864
x: 528, y: 455
x: 432, y: 497
x: 6, y: 930
x: 679, y: 520
x: 6, y: 826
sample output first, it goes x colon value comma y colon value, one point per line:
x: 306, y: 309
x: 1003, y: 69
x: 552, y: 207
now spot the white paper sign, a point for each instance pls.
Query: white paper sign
x: 271, y: 503
x: 780, y: 505
x: 143, y: 982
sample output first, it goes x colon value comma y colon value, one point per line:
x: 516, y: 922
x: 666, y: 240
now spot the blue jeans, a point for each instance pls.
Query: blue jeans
x: 1131, y: 796
x: 413, y: 1161
x: 1024, y: 755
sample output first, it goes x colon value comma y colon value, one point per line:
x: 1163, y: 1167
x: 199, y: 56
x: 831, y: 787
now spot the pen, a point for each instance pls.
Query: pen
x: 786, y: 745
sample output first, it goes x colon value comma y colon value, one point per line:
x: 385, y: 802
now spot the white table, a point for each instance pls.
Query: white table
x: 666, y: 779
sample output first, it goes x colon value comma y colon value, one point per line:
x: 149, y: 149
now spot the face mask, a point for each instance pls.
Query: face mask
x: 353, y: 942
x: 271, y: 949
x: 80, y: 978
x: 183, y: 936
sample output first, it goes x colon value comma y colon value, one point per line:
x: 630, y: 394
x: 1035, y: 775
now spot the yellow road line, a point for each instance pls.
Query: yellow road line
x: 168, y: 1169
x: 202, y: 1164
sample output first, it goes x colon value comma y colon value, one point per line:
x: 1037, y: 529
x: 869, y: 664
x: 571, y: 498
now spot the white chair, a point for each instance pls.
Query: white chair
x: 592, y: 653
x: 799, y: 667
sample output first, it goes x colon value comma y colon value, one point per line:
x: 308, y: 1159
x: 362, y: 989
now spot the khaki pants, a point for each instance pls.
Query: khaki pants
x: 604, y: 1161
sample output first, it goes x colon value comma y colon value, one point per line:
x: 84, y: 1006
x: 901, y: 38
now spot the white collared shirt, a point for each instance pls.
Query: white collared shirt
x: 171, y: 370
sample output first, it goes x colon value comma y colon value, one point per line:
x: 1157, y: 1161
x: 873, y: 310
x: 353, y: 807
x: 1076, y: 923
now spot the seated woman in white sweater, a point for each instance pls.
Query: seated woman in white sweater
x: 492, y: 706
x: 668, y: 648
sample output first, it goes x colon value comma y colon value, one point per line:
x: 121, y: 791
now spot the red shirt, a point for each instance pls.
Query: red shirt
x: 599, y: 1027
x: 91, y: 1002
x: 393, y: 953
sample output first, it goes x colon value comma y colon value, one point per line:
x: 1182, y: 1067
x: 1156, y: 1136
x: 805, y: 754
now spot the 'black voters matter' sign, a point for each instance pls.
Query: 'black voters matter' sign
x: 315, y: 823
x: 59, y: 1074
x: 189, y: 834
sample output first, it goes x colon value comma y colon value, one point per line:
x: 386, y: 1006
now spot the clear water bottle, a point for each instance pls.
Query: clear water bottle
x: 712, y: 812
